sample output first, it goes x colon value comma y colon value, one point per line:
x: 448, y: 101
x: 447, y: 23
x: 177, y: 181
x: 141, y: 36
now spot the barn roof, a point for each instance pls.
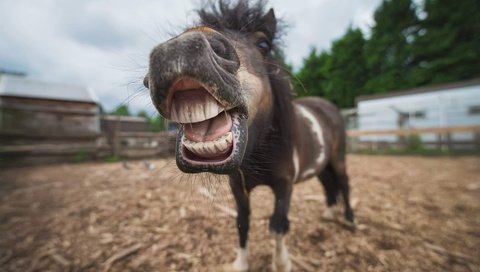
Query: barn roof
x: 433, y: 88
x: 21, y: 86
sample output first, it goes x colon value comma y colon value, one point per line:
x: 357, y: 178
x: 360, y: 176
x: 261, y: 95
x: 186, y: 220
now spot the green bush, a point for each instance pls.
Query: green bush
x: 81, y: 155
x: 414, y: 143
x: 111, y: 158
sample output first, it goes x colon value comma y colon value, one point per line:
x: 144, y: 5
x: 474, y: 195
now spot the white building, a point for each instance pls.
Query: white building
x: 456, y: 104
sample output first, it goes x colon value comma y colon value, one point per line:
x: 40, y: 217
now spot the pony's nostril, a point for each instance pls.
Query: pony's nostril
x: 218, y: 48
x: 223, y: 49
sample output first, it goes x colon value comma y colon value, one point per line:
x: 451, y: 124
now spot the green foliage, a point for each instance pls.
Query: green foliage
x: 338, y: 75
x: 155, y: 124
x: 388, y: 51
x: 403, y: 51
x: 111, y: 158
x: 121, y: 110
x: 346, y: 69
x: 143, y: 114
x: 81, y: 155
x: 414, y: 143
x: 310, y: 77
x: 448, y: 47
x: 404, y: 151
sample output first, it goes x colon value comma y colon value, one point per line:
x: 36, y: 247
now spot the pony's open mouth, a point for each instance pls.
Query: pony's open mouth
x: 211, y: 137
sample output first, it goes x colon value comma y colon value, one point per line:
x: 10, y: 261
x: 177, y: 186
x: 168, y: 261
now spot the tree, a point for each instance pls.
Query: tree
x: 345, y: 69
x: 143, y: 114
x: 155, y: 123
x: 121, y: 110
x: 448, y: 47
x: 339, y: 75
x: 309, y: 79
x: 388, y: 52
x: 403, y: 51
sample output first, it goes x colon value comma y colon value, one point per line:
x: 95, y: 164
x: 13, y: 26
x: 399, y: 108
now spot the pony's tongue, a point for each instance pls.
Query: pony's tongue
x: 210, y: 129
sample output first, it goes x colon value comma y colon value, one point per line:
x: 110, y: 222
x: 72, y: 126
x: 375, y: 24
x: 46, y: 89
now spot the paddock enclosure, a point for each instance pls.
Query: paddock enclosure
x: 414, y: 214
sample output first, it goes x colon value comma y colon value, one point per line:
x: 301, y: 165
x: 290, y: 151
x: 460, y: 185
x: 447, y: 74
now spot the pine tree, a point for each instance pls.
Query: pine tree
x: 346, y: 69
x: 388, y: 51
x: 448, y: 47
x: 121, y: 110
x: 311, y: 77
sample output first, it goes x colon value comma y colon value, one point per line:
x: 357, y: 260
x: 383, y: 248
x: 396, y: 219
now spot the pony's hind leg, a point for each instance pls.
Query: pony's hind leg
x: 330, y: 185
x: 341, y: 176
x: 343, y: 181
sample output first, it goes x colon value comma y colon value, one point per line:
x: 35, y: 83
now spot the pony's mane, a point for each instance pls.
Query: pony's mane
x: 242, y: 16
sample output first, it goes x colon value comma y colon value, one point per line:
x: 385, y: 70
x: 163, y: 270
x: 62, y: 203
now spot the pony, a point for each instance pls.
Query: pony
x: 220, y: 81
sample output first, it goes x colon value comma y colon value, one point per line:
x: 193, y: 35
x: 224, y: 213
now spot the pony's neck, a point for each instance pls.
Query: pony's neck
x: 283, y: 116
x: 270, y: 139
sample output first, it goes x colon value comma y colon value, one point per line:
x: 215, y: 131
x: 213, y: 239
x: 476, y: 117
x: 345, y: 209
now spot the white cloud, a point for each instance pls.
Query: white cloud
x: 105, y: 44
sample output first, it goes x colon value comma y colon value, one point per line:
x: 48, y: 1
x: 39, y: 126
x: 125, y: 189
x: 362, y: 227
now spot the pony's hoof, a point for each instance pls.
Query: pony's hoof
x: 282, y: 267
x: 329, y: 214
x: 232, y: 267
x: 349, y: 224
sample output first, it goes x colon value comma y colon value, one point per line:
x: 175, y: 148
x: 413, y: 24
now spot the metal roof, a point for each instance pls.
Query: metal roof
x: 433, y: 88
x: 21, y: 86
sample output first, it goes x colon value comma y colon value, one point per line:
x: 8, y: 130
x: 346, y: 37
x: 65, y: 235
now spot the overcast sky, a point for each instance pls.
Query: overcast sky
x: 104, y: 44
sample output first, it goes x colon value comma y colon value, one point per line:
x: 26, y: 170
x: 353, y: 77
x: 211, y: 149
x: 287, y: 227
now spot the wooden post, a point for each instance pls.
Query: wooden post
x: 439, y: 141
x: 476, y: 140
x: 449, y: 142
x: 116, y: 138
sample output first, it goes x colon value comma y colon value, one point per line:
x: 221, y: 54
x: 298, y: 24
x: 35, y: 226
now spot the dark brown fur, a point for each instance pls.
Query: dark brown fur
x: 284, y: 135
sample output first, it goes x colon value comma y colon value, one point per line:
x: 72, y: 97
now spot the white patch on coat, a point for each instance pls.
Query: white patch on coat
x: 316, y: 129
x: 241, y: 261
x: 308, y: 173
x: 296, y: 164
x: 281, y: 261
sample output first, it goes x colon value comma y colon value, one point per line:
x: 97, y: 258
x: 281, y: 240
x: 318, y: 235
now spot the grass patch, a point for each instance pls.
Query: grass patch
x: 111, y: 158
x: 420, y: 152
x: 414, y: 146
x: 81, y: 155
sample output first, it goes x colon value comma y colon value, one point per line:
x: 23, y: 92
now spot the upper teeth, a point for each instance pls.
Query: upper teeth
x: 195, y: 111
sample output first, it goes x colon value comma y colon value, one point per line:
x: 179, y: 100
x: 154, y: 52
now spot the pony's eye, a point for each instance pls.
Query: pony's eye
x: 264, y: 46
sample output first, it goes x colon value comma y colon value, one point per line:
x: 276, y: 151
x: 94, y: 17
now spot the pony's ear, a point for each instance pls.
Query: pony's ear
x: 269, y: 23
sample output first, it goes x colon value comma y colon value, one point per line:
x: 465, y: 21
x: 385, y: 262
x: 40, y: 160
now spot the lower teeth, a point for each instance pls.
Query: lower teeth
x: 209, y: 148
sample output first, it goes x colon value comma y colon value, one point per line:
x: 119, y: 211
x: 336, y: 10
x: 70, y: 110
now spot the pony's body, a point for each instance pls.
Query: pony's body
x: 325, y: 125
x: 237, y: 116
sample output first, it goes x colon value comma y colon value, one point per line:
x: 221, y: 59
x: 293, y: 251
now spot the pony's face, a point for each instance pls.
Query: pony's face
x: 215, y: 84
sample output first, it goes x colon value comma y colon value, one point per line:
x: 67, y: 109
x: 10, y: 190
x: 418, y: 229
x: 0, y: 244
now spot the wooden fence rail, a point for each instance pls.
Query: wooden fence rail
x: 128, y: 145
x: 414, y: 131
x: 19, y: 150
x: 444, y: 139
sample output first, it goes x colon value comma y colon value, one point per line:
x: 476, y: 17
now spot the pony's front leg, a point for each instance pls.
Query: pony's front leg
x: 240, y: 193
x: 279, y: 225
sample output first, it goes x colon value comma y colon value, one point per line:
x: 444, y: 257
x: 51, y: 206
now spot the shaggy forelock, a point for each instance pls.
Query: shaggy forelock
x: 242, y: 16
x: 246, y: 17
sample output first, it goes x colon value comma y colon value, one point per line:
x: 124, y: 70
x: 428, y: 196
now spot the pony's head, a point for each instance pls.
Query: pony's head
x: 213, y: 79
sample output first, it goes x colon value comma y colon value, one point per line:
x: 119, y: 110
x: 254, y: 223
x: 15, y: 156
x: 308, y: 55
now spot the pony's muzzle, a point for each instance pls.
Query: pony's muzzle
x: 208, y: 58
x: 193, y: 81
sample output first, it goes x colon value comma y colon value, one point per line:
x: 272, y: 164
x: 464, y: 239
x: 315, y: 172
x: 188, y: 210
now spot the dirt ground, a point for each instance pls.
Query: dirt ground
x: 414, y: 214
